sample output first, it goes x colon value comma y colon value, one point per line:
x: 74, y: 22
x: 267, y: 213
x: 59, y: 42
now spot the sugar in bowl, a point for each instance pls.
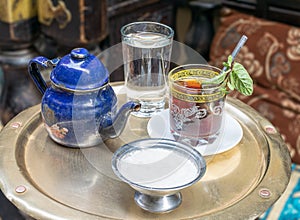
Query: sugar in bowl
x: 158, y: 169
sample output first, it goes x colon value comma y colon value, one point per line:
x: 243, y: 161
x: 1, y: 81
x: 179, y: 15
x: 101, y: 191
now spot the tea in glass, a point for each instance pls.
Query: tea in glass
x: 196, y: 107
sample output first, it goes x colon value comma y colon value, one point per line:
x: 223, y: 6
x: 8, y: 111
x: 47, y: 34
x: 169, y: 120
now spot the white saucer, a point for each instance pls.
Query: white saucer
x: 231, y: 134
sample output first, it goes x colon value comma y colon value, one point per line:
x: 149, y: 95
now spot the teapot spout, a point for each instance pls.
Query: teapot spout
x: 119, y: 122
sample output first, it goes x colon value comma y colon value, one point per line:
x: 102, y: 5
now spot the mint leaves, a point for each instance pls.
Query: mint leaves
x: 236, y: 77
x: 240, y: 80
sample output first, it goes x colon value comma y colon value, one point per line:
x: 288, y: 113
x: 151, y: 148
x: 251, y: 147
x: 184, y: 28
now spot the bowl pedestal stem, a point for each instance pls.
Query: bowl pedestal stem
x: 158, y: 204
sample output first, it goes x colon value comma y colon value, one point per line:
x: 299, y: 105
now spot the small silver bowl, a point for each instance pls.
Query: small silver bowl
x: 158, y: 169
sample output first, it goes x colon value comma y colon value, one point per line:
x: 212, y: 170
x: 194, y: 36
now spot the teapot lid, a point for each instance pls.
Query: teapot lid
x: 79, y: 70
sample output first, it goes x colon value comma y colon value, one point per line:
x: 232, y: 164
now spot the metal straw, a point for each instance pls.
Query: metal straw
x: 237, y: 48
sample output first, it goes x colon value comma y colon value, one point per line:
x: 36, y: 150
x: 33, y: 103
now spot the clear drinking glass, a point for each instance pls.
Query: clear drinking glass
x: 146, y: 50
x: 196, y: 108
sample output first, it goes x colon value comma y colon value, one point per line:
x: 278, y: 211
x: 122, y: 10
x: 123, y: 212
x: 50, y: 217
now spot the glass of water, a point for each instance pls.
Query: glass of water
x: 146, y: 50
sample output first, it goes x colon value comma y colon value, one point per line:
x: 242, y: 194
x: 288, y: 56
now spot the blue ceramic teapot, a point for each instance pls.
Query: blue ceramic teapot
x: 79, y: 108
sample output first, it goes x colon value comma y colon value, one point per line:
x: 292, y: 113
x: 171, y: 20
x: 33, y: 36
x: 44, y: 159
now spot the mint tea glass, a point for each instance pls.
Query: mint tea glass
x: 196, y: 107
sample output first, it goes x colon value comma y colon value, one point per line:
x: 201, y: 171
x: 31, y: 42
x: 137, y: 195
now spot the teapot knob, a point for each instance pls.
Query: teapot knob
x: 79, y: 53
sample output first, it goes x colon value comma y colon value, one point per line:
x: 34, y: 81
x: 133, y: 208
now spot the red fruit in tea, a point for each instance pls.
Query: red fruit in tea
x: 190, y: 83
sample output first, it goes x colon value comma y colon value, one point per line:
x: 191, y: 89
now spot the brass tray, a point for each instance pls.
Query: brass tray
x: 48, y: 181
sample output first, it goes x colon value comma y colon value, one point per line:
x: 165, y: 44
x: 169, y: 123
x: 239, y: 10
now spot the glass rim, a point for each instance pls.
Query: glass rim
x: 170, y: 35
x: 190, y: 66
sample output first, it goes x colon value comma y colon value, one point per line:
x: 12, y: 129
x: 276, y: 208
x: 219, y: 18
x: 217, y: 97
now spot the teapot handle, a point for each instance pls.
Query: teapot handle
x: 34, y: 71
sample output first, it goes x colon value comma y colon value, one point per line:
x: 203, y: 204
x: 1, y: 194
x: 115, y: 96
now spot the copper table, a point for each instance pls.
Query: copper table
x: 48, y: 181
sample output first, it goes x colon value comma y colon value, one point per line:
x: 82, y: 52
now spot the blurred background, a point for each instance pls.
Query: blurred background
x: 51, y: 28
